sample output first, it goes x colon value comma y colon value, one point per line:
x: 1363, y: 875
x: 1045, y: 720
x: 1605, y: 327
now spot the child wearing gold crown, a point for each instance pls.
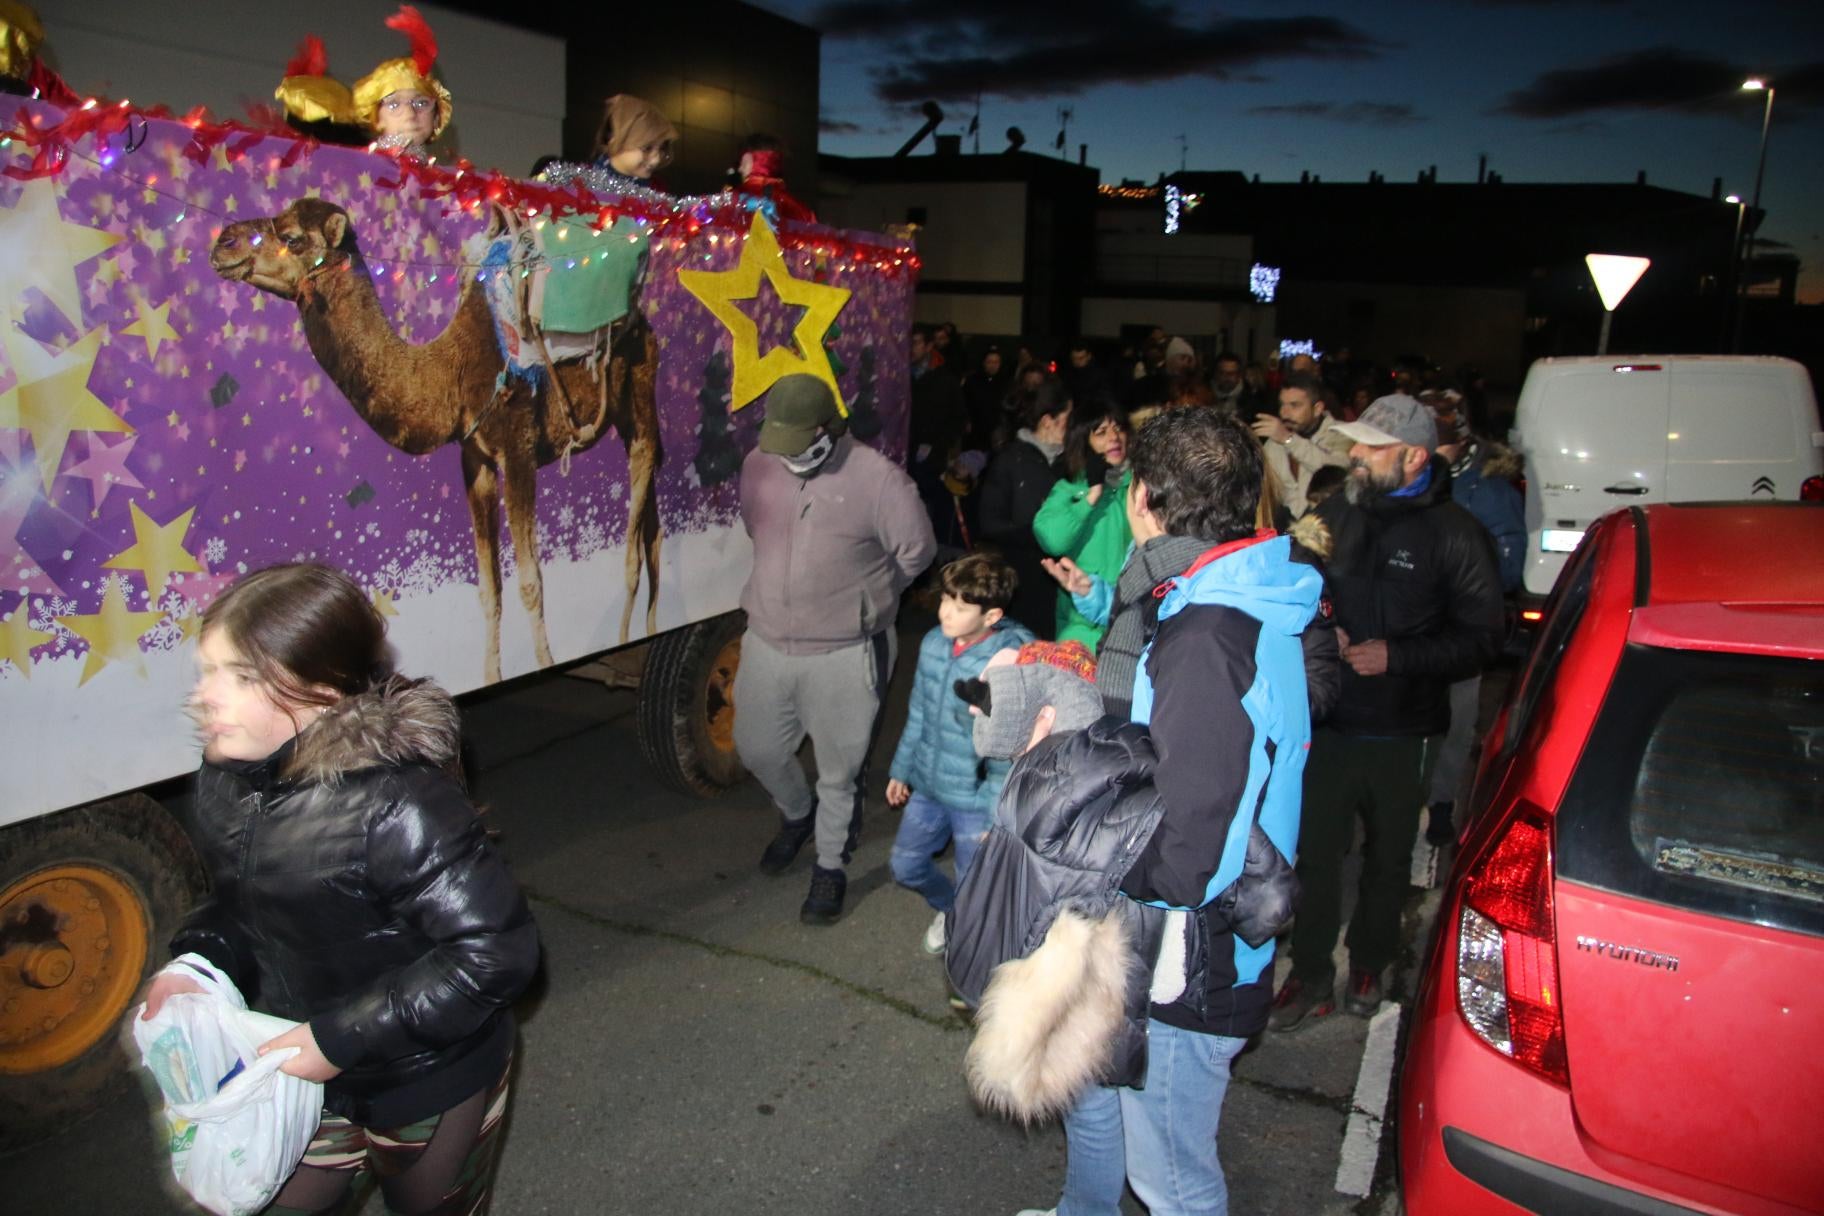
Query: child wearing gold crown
x: 400, y: 103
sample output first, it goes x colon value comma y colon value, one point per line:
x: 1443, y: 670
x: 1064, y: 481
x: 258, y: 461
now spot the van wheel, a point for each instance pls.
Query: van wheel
x: 687, y: 706
x: 88, y: 898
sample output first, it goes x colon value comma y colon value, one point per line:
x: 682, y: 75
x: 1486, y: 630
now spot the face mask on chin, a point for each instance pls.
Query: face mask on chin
x: 807, y: 462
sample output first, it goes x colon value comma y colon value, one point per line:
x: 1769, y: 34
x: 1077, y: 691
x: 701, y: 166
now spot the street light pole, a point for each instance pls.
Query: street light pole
x: 1751, y: 85
x: 1732, y: 301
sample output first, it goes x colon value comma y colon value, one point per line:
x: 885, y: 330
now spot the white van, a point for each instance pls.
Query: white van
x: 1613, y: 431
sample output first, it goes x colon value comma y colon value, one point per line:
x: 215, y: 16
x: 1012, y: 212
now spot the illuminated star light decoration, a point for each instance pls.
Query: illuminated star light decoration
x: 158, y: 551
x: 39, y: 248
x: 1263, y: 281
x: 719, y: 290
x: 51, y: 396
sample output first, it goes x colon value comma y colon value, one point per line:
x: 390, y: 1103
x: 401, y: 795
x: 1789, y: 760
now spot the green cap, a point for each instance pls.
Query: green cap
x: 797, y: 405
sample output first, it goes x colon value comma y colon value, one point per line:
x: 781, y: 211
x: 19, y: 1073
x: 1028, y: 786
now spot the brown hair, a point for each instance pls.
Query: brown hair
x: 631, y: 122
x: 981, y: 579
x: 304, y: 628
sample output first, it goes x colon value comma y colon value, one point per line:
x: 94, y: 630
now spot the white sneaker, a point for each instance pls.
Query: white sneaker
x: 934, y: 936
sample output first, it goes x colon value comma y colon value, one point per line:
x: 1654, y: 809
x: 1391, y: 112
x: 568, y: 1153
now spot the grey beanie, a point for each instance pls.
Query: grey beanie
x: 1017, y: 694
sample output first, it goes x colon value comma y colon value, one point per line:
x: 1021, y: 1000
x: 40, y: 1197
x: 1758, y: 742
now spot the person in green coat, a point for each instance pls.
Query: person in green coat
x: 1085, y: 516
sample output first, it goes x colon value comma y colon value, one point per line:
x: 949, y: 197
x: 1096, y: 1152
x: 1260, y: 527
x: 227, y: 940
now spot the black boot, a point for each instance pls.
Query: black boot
x: 824, y: 904
x: 784, y: 848
x: 1441, y: 831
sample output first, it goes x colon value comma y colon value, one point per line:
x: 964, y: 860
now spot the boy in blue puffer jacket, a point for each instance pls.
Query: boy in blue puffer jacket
x: 948, y: 792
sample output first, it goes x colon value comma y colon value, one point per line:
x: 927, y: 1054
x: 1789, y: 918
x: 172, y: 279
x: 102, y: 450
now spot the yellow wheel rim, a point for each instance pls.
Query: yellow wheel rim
x: 72, y: 947
x: 719, y: 703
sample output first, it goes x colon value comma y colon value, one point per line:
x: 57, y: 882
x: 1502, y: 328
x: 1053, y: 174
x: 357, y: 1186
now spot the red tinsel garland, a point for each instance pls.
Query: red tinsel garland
x: 464, y: 185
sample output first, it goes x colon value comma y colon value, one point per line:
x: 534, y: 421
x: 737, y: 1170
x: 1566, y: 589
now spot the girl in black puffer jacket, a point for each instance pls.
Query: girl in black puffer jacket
x: 353, y: 890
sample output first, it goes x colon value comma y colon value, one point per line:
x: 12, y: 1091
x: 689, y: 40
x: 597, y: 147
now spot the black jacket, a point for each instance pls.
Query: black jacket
x: 1419, y: 572
x: 1013, y: 489
x: 352, y: 886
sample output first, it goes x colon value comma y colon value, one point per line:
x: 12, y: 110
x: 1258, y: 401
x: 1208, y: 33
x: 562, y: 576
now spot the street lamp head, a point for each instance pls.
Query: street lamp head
x: 1733, y: 198
x: 1754, y: 83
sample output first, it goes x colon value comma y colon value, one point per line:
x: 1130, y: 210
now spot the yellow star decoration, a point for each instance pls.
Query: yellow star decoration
x: 383, y: 603
x: 153, y: 325
x: 158, y: 551
x: 39, y: 248
x: 51, y: 397
x: 719, y: 289
x: 17, y: 637
x: 113, y: 633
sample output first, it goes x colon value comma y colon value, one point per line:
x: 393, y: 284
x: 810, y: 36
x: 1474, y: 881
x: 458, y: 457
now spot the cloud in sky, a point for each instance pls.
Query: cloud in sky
x: 1659, y: 78
x: 1359, y: 113
x: 956, y: 49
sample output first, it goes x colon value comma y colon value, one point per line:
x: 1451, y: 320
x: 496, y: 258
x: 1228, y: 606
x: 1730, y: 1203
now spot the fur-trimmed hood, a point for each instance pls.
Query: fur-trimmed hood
x: 399, y: 721
x: 1499, y: 460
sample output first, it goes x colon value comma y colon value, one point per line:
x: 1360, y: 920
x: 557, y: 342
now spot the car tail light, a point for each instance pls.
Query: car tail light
x: 1811, y: 489
x: 1507, y: 959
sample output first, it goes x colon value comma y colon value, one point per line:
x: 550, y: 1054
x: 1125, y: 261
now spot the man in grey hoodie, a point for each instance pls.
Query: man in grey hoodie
x: 839, y: 532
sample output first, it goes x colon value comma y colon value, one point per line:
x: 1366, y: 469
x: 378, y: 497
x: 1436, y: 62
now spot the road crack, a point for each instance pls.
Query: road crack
x: 948, y: 1023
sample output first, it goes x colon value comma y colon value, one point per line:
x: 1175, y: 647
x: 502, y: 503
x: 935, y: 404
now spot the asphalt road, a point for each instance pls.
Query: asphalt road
x: 694, y: 1049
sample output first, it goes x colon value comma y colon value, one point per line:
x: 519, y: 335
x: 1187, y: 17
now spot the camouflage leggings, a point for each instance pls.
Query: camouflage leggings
x: 440, y: 1166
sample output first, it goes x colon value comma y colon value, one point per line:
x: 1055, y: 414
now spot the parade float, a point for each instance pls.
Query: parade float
x: 514, y: 411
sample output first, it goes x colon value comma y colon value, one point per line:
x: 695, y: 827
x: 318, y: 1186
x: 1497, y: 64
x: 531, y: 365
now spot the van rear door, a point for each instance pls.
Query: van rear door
x: 1594, y: 434
x: 1739, y: 430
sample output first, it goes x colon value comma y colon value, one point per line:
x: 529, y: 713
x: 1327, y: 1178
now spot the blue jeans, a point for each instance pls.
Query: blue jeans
x: 1162, y: 1138
x: 924, y: 827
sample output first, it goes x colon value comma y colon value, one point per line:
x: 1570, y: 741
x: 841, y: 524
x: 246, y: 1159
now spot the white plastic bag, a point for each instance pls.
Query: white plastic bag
x: 238, y: 1125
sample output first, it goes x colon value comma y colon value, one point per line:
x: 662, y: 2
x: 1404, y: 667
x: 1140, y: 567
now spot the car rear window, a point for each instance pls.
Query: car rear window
x: 1702, y: 786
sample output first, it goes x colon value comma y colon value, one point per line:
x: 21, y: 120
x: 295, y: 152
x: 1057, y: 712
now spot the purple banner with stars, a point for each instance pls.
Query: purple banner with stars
x: 213, y: 364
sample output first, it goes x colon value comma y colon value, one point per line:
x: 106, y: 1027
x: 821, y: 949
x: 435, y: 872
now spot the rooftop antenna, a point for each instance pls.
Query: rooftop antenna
x: 1184, y: 151
x: 975, y: 124
x: 1065, y: 114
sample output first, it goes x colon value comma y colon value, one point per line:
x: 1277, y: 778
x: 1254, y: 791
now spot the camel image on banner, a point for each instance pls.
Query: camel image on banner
x: 419, y: 397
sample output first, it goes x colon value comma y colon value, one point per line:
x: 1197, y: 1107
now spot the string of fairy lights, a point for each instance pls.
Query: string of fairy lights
x: 693, y: 213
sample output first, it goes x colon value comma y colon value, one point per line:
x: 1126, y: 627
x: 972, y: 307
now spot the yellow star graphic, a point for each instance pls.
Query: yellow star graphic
x: 231, y: 204
x: 719, y: 289
x: 180, y: 255
x: 17, y: 637
x: 39, y: 248
x: 113, y: 633
x: 51, y: 397
x: 153, y: 325
x: 158, y: 550
x: 383, y: 603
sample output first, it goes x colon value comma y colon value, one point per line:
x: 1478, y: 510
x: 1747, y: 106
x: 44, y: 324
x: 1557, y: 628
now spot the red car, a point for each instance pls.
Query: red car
x: 1622, y: 1010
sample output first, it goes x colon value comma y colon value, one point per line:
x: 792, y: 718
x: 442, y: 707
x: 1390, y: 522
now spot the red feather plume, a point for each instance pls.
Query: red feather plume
x: 311, y: 59
x: 410, y: 22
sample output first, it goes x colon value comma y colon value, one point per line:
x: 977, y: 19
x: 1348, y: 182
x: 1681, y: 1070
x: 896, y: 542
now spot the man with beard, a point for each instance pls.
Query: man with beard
x: 1301, y: 440
x: 1417, y: 597
x: 838, y: 536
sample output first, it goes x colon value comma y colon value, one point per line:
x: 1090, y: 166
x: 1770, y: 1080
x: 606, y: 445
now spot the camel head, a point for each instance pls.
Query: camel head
x: 277, y: 254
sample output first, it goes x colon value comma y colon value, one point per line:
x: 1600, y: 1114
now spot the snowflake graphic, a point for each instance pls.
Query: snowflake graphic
x: 215, y: 550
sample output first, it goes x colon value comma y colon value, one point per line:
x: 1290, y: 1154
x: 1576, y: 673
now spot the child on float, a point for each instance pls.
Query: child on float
x: 352, y: 890
x: 399, y: 104
x: 635, y: 140
x: 947, y: 791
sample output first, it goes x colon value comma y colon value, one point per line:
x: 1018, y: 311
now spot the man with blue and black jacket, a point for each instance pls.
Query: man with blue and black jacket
x: 1221, y: 685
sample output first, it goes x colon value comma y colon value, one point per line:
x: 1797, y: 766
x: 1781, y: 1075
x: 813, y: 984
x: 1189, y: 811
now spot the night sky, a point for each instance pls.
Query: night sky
x: 1550, y: 90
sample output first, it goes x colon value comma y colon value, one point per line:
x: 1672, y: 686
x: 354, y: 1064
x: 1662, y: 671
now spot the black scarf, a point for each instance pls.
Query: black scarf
x: 1133, y: 615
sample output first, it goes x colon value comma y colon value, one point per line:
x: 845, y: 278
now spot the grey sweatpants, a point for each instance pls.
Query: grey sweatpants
x: 835, y: 698
x: 1450, y: 763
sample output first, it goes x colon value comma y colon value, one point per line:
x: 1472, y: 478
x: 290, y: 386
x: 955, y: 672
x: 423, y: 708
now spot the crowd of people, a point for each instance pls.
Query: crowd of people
x: 1180, y: 652
x: 1292, y: 599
